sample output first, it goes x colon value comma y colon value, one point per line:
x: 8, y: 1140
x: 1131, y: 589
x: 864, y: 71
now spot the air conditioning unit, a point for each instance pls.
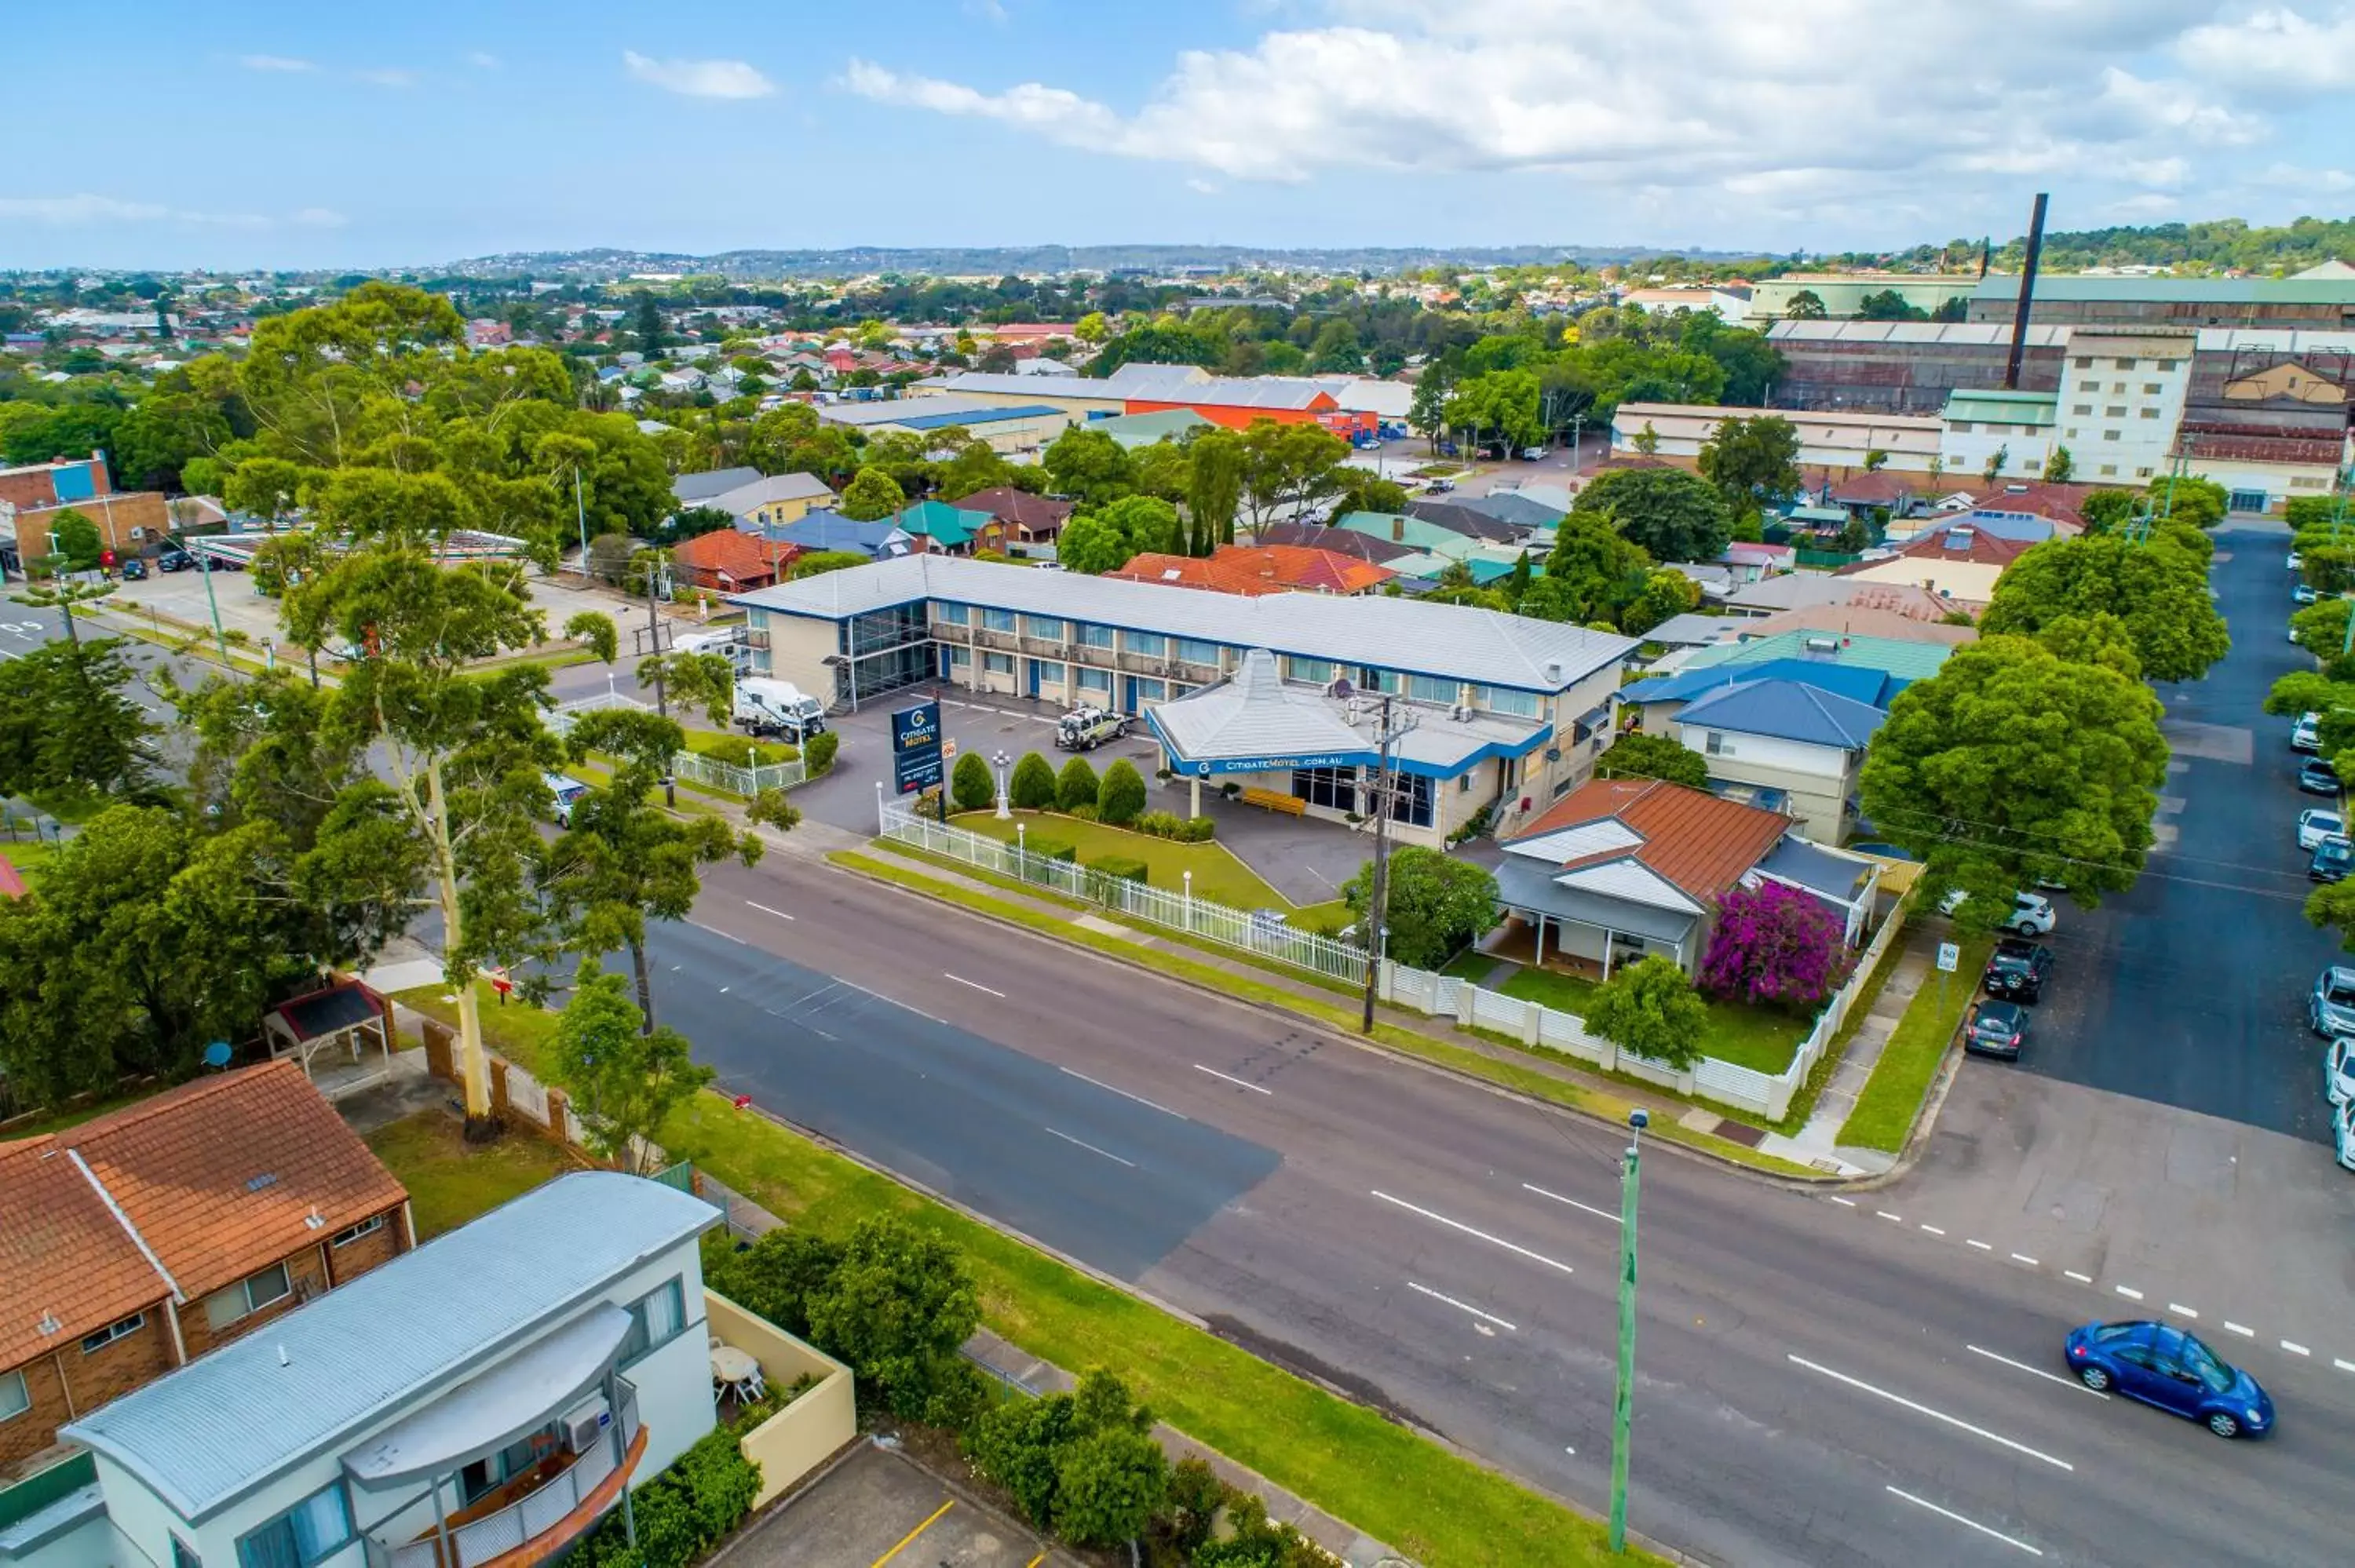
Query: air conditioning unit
x: 1461, y: 713
x: 139, y: 533
x: 585, y: 1424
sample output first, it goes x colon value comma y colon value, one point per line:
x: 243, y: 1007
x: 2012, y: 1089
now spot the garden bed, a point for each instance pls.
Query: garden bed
x: 1760, y: 1038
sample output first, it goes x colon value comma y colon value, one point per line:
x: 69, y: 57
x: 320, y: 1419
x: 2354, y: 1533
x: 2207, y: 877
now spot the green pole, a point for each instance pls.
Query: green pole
x: 1623, y: 1405
x: 581, y: 516
x: 213, y: 604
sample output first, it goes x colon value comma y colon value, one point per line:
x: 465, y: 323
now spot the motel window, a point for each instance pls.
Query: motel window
x: 2150, y: 413
x: 1194, y: 651
x: 2125, y: 364
x: 2115, y: 411
x: 366, y: 1228
x: 1149, y: 643
x: 951, y: 614
x: 1335, y: 788
x: 121, y: 1328
x: 309, y: 1533
x: 2166, y: 364
x: 1502, y: 699
x: 2109, y: 468
x: 997, y: 620
x: 1046, y: 626
x: 1431, y: 689
x: 2070, y: 433
x: 2084, y: 364
x: 248, y: 1295
x: 998, y: 663
x: 2109, y: 435
x: 1375, y: 680
x: 655, y: 1319
x: 1317, y: 671
x: 1716, y: 747
x: 959, y: 657
x: 2150, y: 388
x: 14, y: 1397
x: 1093, y: 680
x: 2142, y: 473
x: 1411, y: 800
x: 1962, y: 427
x: 1095, y: 636
x: 185, y: 1555
x: 2083, y: 410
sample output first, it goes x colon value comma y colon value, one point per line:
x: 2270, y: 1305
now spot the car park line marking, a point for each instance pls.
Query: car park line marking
x: 2023, y: 1257
x: 2295, y: 1350
x: 1091, y: 1148
x: 2232, y: 1328
x: 976, y: 984
x: 1598, y: 1214
x: 1885, y: 1214
x: 2038, y: 1371
x: 2179, y: 1306
x: 766, y: 910
x: 1229, y: 1079
x: 1467, y: 1230
x: 1845, y: 1202
x: 1973, y: 1240
x: 2080, y: 1278
x: 1124, y: 1093
x: 912, y: 1534
x: 1934, y: 1230
x: 2128, y: 1291
x: 1461, y: 1306
x: 1955, y: 1421
x: 1971, y: 1523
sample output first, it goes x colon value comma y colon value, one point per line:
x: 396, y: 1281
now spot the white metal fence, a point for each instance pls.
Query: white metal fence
x: 1265, y: 937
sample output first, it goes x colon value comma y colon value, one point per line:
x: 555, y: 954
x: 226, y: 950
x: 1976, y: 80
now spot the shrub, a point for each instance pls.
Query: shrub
x: 1077, y: 784
x: 1776, y: 944
x: 819, y: 752
x: 1651, y: 1008
x: 1045, y: 848
x: 1159, y: 824
x: 897, y: 1307
x: 1108, y: 1486
x: 1085, y: 811
x: 1082, y: 1462
x: 1434, y: 904
x: 970, y: 786
x: 1121, y: 796
x: 1199, y: 830
x: 682, y: 1513
x: 1032, y: 788
x: 1121, y: 866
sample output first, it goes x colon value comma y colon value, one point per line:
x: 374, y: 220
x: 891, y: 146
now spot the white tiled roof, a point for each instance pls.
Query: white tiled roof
x: 1490, y: 647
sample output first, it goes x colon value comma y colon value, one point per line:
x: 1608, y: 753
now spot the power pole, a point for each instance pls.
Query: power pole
x: 1378, y: 895
x: 1623, y: 1404
x: 581, y: 516
x: 653, y: 639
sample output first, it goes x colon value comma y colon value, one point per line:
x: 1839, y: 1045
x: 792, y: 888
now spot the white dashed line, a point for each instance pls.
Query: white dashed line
x: 2232, y: 1328
x: 766, y: 910
x: 976, y: 984
x: 2342, y: 1366
x: 2080, y: 1278
x: 718, y: 932
x: 1934, y: 1230
x: 1971, y: 1523
x: 1973, y: 1240
x: 1953, y: 1420
x: 1124, y: 1093
x: 1598, y: 1214
x: 1091, y: 1148
x: 2037, y: 1371
x: 1845, y: 1202
x: 2179, y: 1307
x: 2295, y: 1349
x: 2128, y: 1291
x: 1892, y: 1219
x: 1235, y: 1081
x: 1461, y: 1306
x: 1467, y: 1230
x: 2023, y: 1257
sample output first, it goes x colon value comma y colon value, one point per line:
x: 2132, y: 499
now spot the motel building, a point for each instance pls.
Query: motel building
x: 1278, y: 694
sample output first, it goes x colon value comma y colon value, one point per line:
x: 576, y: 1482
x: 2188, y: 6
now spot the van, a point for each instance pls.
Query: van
x: 717, y: 640
x: 568, y: 791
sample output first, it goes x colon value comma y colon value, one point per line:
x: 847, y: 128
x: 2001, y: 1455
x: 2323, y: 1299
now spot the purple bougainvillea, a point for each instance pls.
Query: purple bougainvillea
x: 1774, y: 944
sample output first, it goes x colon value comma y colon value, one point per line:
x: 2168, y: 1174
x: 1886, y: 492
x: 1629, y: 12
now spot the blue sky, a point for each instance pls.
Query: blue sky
x: 301, y: 135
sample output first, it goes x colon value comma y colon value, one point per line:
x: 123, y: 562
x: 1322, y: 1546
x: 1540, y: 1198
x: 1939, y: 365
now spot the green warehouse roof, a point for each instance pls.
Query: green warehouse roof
x: 1906, y: 661
x: 2003, y: 407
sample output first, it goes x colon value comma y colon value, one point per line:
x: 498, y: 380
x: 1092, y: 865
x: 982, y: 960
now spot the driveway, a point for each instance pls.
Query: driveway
x: 880, y: 1506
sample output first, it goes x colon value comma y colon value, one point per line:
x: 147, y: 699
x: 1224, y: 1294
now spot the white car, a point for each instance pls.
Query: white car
x: 2342, y: 1128
x: 2339, y: 1069
x: 2316, y: 825
x: 2033, y: 914
x: 2293, y: 560
x: 568, y: 791
x: 2306, y: 735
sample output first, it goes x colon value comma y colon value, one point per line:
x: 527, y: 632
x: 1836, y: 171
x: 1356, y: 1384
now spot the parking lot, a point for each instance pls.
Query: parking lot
x: 880, y: 1506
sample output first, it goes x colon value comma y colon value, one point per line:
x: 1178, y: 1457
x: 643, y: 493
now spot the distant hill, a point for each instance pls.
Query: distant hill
x: 998, y: 261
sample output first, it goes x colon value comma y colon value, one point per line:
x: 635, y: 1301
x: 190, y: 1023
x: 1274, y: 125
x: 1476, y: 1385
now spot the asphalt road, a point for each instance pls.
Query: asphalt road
x: 2190, y: 990
x: 1817, y: 1386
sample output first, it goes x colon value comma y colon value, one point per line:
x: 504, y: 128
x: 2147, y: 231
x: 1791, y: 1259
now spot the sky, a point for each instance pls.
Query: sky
x: 301, y: 135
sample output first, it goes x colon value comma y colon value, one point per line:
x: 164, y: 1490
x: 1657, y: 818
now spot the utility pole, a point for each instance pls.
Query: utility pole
x: 581, y: 516
x: 220, y: 639
x: 1378, y: 895
x: 654, y: 637
x: 1623, y: 1404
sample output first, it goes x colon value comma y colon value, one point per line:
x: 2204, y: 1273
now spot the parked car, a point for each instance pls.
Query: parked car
x: 1448, y: 448
x: 2306, y: 735
x: 134, y: 570
x: 2330, y: 1005
x: 1441, y: 486
x: 568, y: 791
x: 2314, y: 824
x: 2339, y: 1070
x: 2303, y: 593
x: 2294, y: 561
x: 2333, y: 858
x: 1271, y: 919
x: 2033, y: 914
x: 1533, y: 455
x: 2342, y: 1133
x: 2162, y: 1365
x: 1997, y: 1029
x: 2018, y: 969
x: 173, y: 560
x: 2319, y: 777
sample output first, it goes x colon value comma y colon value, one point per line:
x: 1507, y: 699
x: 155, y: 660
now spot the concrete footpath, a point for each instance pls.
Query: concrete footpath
x: 1817, y: 1141
x: 1020, y: 1369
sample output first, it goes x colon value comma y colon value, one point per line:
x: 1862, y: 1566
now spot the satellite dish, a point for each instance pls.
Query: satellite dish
x: 217, y: 1055
x: 1340, y: 690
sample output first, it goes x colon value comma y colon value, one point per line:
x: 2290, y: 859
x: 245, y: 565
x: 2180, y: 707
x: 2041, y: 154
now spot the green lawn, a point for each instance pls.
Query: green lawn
x: 450, y: 1181
x: 735, y: 748
x: 27, y: 855
x: 515, y: 1031
x: 1219, y: 877
x: 1760, y: 1038
x: 1884, y: 1114
x: 1328, y: 918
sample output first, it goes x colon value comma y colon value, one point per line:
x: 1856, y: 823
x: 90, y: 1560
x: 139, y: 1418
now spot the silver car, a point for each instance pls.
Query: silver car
x: 2330, y: 1007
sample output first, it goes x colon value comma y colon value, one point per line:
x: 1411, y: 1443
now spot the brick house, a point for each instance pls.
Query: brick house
x: 733, y: 561
x: 128, y: 521
x: 135, y: 1242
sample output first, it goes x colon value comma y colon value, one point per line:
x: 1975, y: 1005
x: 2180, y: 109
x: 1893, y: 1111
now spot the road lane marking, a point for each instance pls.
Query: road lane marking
x: 2023, y: 1257
x: 2232, y: 1328
x: 2295, y: 1350
x: 1973, y: 1240
x: 1971, y: 1523
x: 1467, y: 1230
x: 1598, y: 1214
x: 1955, y: 1421
x: 2342, y: 1366
x: 2128, y: 1291
x: 1892, y: 1219
x: 766, y: 910
x: 2038, y: 1371
x: 2179, y: 1306
x: 718, y: 932
x: 912, y: 1534
x: 1845, y: 1202
x: 1124, y: 1093
x: 1461, y: 1306
x: 1232, y: 1079
x: 2080, y: 1278
x: 1091, y: 1148
x: 976, y: 984
x: 1934, y: 1230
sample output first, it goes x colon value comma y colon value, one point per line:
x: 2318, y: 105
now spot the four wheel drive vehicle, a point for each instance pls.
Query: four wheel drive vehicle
x: 1440, y: 486
x: 2018, y: 969
x: 2314, y: 824
x: 1997, y: 1029
x: 1533, y: 455
x: 2164, y: 1366
x: 2330, y: 1005
x: 1086, y: 727
x: 2334, y: 857
x: 2339, y: 1070
x: 2033, y: 914
x: 134, y: 570
x: 2306, y: 735
x: 2319, y: 777
x: 764, y: 706
x: 567, y: 790
x: 173, y: 561
x: 1448, y: 448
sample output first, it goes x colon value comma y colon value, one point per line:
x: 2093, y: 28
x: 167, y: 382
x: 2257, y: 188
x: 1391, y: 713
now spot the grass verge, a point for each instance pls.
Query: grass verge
x: 1884, y: 1112
x: 450, y: 1181
x: 1219, y: 877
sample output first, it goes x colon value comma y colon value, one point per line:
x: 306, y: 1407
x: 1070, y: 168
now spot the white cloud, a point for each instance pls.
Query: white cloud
x: 318, y: 217
x: 2148, y: 204
x: 388, y: 76
x: 700, y: 79
x: 2275, y: 48
x: 482, y: 59
x: 987, y: 10
x: 275, y: 62
x: 2314, y: 182
x: 85, y: 210
x: 1201, y: 187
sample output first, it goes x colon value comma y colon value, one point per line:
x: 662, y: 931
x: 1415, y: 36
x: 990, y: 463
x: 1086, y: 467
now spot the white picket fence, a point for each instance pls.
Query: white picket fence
x: 688, y: 766
x: 1218, y: 923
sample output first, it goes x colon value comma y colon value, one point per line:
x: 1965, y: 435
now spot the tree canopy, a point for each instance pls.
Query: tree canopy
x: 1672, y: 514
x: 2157, y: 590
x: 1434, y: 904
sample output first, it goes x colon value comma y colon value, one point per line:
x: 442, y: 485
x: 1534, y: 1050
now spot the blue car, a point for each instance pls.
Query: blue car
x: 2164, y: 1366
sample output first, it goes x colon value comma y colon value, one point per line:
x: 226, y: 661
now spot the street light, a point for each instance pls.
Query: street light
x: 1001, y: 762
x: 1623, y: 1402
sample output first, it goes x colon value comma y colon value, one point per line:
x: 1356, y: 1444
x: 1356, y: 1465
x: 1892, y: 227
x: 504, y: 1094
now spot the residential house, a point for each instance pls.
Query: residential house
x: 1851, y: 619
x: 939, y: 527
x: 1412, y: 533
x: 32, y: 495
x: 702, y: 489
x: 1624, y: 869
x: 1365, y: 547
x: 1016, y: 517
x: 1524, y: 510
x: 1794, y: 746
x: 1473, y: 522
x: 1799, y: 590
x: 1749, y: 562
x: 1260, y: 569
x: 1655, y: 703
x: 1901, y: 659
x: 135, y: 1242
x: 729, y: 560
x: 878, y: 540
x: 1958, y: 561
x: 772, y: 499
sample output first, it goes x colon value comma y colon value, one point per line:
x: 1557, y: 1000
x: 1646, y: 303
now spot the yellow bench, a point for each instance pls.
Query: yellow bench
x: 1291, y: 805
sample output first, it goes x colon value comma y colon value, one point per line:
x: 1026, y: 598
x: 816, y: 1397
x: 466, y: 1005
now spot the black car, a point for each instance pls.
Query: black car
x: 2318, y: 778
x: 2334, y: 858
x: 2017, y: 970
x: 173, y: 561
x: 1997, y: 1029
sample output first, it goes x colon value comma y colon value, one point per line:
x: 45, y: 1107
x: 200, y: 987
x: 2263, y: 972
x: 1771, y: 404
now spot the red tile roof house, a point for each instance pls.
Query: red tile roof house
x: 733, y: 561
x: 135, y: 1242
x: 1260, y: 569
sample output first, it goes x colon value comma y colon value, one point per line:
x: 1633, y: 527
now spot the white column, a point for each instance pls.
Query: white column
x: 1194, y: 796
x: 1540, y: 961
x: 1606, y: 952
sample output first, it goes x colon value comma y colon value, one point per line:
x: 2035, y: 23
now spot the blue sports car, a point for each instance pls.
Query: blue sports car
x: 2167, y: 1367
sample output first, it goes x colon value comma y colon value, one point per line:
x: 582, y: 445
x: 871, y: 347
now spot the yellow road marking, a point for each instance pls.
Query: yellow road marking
x: 912, y: 1534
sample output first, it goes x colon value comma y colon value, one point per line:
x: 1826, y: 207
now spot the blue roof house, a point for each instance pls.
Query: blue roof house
x: 1778, y: 736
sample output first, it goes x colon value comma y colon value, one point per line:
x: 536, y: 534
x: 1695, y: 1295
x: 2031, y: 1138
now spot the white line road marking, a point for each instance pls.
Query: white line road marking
x: 2295, y: 1350
x: 976, y: 984
x: 1232, y: 1079
x: 1973, y: 1240
x: 2179, y: 1306
x: 1467, y: 1230
x: 2232, y: 1328
x: 1885, y: 1214
x: 1124, y: 1093
x: 2128, y: 1291
x: 1934, y: 1230
x: 766, y: 910
x: 2080, y: 1278
x: 1460, y: 1306
x: 2038, y: 1371
x: 1845, y: 1202
x: 2023, y: 1257
x: 1955, y: 1421
x: 2342, y: 1366
x: 718, y: 932
x: 723, y: 990
x: 1092, y: 1148
x: 1971, y: 1523
x: 1598, y: 1214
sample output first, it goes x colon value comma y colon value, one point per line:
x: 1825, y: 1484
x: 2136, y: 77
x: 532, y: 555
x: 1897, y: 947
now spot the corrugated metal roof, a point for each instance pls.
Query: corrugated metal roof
x: 1489, y: 647
x: 1907, y: 661
x: 1787, y: 710
x: 1978, y: 333
x: 313, y: 1380
x: 694, y: 489
x: 2063, y: 287
x: 1523, y: 885
x: 1255, y: 715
